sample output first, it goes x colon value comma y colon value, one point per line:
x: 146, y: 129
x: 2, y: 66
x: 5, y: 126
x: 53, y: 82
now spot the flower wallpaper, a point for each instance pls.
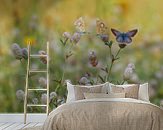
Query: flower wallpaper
x: 91, y: 42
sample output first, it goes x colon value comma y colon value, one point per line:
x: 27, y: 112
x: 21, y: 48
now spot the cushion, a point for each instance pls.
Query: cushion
x: 76, y: 92
x: 143, y: 93
x: 131, y: 91
x: 80, y: 90
x: 103, y: 95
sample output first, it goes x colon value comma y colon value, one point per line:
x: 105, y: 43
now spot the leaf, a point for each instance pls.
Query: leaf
x: 91, y: 81
x: 109, y: 44
x: 117, y: 58
x: 63, y: 42
x: 118, y: 83
x: 69, y: 55
x: 58, y: 81
x: 102, y: 79
x: 122, y: 82
x: 105, y: 69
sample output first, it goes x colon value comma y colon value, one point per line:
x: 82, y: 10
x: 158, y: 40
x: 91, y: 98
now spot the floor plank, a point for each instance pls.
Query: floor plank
x: 12, y: 127
x: 15, y: 121
x: 22, y: 125
x: 5, y: 126
x: 1, y: 124
x: 19, y: 117
x: 39, y: 124
x: 18, y: 126
x: 30, y: 125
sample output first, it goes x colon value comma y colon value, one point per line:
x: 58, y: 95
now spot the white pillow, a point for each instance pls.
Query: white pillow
x: 143, y: 93
x: 71, y: 92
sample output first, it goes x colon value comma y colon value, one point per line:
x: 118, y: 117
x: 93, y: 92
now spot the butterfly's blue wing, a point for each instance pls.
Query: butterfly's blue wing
x: 127, y: 39
x: 115, y: 32
x: 131, y: 33
x: 120, y: 39
x: 118, y: 34
x: 123, y: 38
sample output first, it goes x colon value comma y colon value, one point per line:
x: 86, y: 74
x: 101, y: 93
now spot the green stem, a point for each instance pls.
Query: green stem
x: 65, y: 41
x: 69, y: 53
x: 62, y: 79
x: 110, y: 52
x: 109, y: 73
x: 113, y: 59
x: 63, y: 76
x: 107, y: 77
x: 71, y: 46
x: 118, y: 53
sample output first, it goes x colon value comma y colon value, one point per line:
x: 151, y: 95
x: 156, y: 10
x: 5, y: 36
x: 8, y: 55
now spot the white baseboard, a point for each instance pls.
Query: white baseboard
x: 19, y: 117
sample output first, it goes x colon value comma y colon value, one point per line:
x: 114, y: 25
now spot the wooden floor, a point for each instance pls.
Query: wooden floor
x: 18, y: 126
x: 15, y: 121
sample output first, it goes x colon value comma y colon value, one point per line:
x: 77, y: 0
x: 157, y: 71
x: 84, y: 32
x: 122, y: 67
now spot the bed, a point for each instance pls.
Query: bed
x: 107, y: 113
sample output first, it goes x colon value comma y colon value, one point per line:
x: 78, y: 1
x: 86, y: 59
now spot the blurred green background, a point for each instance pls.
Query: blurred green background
x: 46, y: 20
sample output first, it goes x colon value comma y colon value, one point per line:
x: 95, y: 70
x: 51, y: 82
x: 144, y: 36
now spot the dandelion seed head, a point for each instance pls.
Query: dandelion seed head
x: 43, y: 82
x: 75, y: 38
x: 35, y: 100
x: 20, y: 95
x: 52, y: 95
x: 66, y: 35
x: 16, y: 50
x: 84, y: 81
x: 44, y: 98
x: 25, y: 53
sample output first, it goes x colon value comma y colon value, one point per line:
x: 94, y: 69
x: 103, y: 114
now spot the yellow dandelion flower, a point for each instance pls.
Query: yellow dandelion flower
x: 29, y: 40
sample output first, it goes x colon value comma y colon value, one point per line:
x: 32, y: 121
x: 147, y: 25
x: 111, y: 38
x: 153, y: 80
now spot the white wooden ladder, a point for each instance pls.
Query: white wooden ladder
x: 27, y: 89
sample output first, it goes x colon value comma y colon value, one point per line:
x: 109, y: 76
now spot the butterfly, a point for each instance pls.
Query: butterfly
x: 80, y: 25
x: 126, y: 37
x: 101, y: 28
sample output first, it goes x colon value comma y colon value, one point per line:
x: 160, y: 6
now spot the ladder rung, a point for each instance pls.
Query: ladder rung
x: 36, y: 105
x: 34, y: 71
x: 37, y: 56
x: 37, y: 89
